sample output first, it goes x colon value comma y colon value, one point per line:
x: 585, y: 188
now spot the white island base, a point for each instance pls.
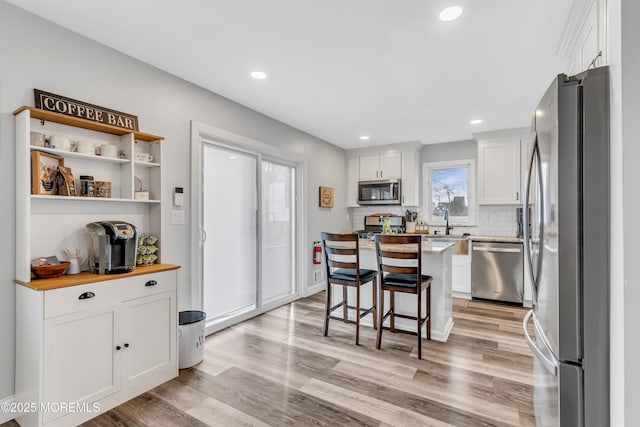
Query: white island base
x: 436, y: 262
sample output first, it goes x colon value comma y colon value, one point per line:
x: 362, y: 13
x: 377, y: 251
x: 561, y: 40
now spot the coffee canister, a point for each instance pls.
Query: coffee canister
x: 87, y: 186
x: 103, y: 189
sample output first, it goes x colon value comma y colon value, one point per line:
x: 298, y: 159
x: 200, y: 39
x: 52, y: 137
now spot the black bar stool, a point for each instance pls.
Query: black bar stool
x: 396, y: 275
x: 343, y: 268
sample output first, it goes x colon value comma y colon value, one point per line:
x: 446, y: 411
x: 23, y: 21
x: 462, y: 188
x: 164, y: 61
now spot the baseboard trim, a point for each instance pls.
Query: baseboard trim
x: 5, y: 417
x: 314, y: 289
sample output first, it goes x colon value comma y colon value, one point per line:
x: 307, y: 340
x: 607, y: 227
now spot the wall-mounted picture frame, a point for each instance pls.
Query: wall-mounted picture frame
x: 43, y: 172
x: 326, y: 197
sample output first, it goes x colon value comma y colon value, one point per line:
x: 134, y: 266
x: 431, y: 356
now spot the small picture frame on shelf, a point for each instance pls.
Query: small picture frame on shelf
x: 326, y: 197
x: 43, y: 172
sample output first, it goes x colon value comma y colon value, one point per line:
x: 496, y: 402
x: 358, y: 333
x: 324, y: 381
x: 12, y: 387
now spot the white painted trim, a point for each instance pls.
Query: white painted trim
x: 573, y: 27
x: 401, y: 146
x: 461, y: 295
x: 426, y: 189
x: 224, y: 138
x: 519, y: 133
x: 7, y: 416
x: 315, y: 288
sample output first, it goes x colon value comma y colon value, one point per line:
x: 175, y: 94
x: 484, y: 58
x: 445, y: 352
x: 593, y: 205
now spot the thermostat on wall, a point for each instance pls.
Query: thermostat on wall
x: 178, y: 196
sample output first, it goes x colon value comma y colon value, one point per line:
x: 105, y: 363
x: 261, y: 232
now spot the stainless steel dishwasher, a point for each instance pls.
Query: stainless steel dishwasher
x: 497, y: 271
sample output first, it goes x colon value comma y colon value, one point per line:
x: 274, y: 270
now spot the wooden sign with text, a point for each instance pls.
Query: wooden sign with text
x: 71, y: 107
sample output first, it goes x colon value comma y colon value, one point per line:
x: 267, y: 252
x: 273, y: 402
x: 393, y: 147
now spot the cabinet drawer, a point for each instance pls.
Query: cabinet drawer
x: 76, y: 298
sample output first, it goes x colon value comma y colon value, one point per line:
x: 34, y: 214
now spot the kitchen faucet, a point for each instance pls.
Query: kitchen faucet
x: 446, y: 221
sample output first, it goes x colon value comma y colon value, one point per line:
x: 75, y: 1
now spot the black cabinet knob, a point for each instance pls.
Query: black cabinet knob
x: 151, y: 283
x: 118, y: 348
x: 126, y: 345
x: 87, y: 295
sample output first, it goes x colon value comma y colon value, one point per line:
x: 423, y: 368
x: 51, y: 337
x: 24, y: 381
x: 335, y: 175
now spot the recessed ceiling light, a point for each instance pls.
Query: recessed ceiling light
x: 476, y: 121
x: 259, y: 75
x: 232, y: 157
x: 450, y: 13
x: 364, y: 138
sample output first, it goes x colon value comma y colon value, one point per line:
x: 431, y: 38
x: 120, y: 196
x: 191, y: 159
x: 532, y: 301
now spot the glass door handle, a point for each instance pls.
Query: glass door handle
x: 549, y: 364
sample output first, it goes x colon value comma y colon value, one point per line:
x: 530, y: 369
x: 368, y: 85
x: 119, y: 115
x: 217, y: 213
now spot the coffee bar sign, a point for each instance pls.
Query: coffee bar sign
x: 71, y: 107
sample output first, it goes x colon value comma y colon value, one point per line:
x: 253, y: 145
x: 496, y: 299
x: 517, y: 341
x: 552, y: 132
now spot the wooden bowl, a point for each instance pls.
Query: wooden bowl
x: 49, y: 271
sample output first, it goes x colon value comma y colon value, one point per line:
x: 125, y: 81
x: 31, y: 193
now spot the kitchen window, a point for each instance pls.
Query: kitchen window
x: 449, y: 185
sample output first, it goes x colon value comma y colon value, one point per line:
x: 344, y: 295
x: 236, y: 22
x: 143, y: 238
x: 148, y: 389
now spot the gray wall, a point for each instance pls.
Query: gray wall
x: 38, y: 54
x: 457, y: 150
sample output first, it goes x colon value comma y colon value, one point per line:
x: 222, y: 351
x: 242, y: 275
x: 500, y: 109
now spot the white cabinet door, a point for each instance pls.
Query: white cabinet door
x: 369, y: 168
x: 82, y: 362
x: 410, y: 181
x: 149, y: 340
x: 461, y: 274
x: 390, y: 166
x: 353, y: 176
x: 499, y: 172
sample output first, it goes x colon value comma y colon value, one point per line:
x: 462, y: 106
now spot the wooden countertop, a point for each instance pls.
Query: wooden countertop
x: 85, y: 277
x: 427, y: 246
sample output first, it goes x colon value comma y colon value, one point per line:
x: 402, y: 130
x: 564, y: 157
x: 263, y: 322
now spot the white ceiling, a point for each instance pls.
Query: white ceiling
x: 338, y: 69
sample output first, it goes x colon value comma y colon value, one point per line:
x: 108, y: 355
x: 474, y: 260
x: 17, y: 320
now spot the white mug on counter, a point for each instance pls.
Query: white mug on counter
x: 107, y: 150
x: 144, y: 157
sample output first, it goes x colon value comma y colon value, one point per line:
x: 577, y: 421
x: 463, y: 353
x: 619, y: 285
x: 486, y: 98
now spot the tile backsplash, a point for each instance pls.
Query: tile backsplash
x: 491, y: 220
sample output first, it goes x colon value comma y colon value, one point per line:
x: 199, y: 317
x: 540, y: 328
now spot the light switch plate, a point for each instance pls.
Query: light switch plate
x: 177, y: 217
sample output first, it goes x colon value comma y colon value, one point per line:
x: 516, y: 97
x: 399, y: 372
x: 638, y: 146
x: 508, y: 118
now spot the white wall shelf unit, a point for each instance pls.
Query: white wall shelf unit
x: 47, y: 224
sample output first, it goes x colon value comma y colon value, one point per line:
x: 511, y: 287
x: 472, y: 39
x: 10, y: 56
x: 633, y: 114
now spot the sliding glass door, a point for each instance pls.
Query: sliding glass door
x: 230, y: 204
x: 248, y: 234
x: 278, y: 231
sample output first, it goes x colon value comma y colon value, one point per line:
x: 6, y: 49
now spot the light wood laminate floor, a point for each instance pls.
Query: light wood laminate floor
x: 278, y: 369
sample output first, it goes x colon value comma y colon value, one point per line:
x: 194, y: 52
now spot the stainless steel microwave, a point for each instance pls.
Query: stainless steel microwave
x: 379, y: 192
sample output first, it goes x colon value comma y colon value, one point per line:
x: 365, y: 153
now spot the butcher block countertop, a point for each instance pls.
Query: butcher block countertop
x: 85, y: 277
x: 428, y: 247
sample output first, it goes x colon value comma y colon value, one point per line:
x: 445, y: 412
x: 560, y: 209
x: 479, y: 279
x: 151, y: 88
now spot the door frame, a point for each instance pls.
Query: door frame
x: 230, y: 140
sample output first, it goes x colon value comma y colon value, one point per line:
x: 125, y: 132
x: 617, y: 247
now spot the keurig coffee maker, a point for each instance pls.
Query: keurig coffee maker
x: 112, y: 247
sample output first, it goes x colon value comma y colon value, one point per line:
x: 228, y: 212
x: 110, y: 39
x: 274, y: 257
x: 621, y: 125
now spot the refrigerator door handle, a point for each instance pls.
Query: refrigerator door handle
x: 550, y: 365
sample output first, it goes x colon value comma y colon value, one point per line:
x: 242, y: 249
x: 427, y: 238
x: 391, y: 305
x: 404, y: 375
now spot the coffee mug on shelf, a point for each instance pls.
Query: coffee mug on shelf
x: 108, y: 150
x: 37, y: 139
x: 60, y: 142
x: 86, y: 147
x: 144, y: 157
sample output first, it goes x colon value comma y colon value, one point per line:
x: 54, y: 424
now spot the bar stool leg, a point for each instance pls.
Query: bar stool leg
x: 419, y: 323
x: 345, y: 311
x: 358, y: 314
x: 327, y: 307
x: 392, y: 307
x: 374, y: 301
x: 381, y: 319
x: 428, y: 297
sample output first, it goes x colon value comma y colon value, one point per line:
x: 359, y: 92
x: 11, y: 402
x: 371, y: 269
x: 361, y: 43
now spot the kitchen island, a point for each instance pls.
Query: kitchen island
x: 436, y: 262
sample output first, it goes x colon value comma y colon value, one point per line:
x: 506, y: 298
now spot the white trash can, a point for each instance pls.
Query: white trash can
x: 191, y: 334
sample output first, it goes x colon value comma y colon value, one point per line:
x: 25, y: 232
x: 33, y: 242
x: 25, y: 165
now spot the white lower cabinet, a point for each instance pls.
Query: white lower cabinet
x: 461, y: 276
x: 89, y: 348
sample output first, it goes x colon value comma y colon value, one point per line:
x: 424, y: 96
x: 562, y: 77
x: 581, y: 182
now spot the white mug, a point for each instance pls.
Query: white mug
x: 37, y: 139
x: 144, y: 157
x: 60, y: 142
x: 108, y: 150
x: 86, y: 147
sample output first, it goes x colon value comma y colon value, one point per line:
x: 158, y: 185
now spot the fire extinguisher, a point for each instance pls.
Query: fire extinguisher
x: 317, y: 252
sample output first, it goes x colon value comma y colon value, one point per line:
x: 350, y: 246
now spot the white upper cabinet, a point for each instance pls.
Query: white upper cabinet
x: 499, y: 172
x: 383, y: 166
x: 410, y: 179
x: 584, y: 41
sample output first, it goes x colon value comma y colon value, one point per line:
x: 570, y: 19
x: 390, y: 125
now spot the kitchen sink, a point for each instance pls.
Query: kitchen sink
x: 461, y: 242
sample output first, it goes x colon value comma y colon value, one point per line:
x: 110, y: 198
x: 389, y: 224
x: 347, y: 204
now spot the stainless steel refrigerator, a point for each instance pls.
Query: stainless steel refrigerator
x: 567, y: 248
